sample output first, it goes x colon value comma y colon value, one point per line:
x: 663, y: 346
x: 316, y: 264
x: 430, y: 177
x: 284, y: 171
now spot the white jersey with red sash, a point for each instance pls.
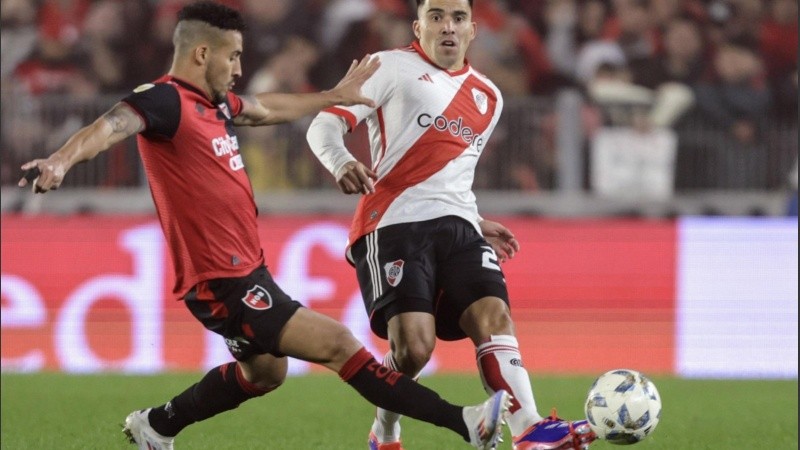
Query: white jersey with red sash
x: 426, y: 135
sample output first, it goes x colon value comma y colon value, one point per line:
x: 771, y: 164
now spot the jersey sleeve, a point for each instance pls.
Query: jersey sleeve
x: 235, y: 104
x: 379, y: 87
x: 498, y: 109
x: 160, y: 107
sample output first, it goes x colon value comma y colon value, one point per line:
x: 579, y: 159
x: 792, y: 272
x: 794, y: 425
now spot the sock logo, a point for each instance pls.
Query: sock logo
x: 516, y: 362
x: 258, y: 298
x: 384, y: 373
x: 394, y: 272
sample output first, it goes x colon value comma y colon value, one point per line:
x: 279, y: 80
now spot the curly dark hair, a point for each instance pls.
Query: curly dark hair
x: 214, y: 14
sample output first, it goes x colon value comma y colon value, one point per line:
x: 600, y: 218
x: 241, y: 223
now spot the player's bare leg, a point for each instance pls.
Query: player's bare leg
x: 488, y: 324
x: 412, y: 340
x: 265, y: 371
x: 317, y: 338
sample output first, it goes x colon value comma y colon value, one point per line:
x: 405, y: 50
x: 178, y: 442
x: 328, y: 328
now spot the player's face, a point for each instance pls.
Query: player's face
x: 224, y: 66
x: 445, y: 29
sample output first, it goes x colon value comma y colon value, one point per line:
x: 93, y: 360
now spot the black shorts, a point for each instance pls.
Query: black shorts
x: 249, y: 312
x: 438, y: 266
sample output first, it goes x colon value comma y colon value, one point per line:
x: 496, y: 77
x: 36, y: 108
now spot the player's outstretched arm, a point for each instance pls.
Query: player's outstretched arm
x: 272, y: 108
x: 112, y: 127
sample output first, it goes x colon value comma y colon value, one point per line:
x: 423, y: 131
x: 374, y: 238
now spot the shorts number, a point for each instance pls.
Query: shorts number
x: 490, y: 259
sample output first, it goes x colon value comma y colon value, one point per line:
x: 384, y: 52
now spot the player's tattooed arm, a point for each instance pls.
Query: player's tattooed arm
x: 123, y: 120
x: 253, y: 112
x: 118, y: 123
x: 112, y: 127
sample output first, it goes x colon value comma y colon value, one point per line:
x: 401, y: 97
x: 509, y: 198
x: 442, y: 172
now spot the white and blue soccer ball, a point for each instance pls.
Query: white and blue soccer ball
x: 623, y: 407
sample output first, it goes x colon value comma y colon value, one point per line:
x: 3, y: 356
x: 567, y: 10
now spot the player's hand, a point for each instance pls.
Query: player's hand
x: 348, y: 90
x: 356, y: 178
x: 502, y: 240
x: 43, y: 174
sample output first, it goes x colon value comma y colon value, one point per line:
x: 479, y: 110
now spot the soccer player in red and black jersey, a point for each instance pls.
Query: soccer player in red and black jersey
x: 185, y: 123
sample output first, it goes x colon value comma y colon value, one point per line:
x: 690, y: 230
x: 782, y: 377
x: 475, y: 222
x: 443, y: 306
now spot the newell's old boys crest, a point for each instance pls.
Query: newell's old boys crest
x: 394, y: 272
x: 258, y: 298
x: 481, y: 100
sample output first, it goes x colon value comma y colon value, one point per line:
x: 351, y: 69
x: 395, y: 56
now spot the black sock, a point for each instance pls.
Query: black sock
x: 223, y: 388
x: 392, y: 390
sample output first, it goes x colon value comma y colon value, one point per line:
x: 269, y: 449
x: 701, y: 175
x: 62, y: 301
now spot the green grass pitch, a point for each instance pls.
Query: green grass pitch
x: 55, y: 411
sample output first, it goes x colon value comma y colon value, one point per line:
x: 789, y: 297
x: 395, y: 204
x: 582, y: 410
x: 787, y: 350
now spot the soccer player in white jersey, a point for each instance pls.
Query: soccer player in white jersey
x: 427, y: 263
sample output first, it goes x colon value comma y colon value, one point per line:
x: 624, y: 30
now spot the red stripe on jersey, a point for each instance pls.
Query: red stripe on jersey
x: 382, y: 129
x: 345, y: 114
x: 430, y: 154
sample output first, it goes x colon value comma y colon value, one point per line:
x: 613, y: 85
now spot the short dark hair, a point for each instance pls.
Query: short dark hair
x: 214, y: 14
x: 422, y: 2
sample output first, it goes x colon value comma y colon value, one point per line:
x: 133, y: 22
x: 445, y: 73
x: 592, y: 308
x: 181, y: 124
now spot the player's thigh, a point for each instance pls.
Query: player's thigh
x: 469, y: 274
x: 317, y: 338
x: 395, y: 266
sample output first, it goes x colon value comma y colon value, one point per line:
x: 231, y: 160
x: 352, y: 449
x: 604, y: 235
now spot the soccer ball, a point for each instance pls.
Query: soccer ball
x: 623, y: 407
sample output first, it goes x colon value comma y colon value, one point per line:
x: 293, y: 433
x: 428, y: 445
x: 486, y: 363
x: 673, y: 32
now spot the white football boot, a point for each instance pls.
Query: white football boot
x: 485, y: 421
x: 138, y: 430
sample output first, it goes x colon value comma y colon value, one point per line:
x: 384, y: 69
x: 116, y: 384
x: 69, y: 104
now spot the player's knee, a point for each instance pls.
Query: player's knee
x: 266, y: 376
x: 412, y: 357
x: 487, y: 317
x: 499, y: 321
x: 268, y: 385
x: 269, y: 381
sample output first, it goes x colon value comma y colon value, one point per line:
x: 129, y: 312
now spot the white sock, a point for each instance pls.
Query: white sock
x: 386, y: 425
x: 500, y: 366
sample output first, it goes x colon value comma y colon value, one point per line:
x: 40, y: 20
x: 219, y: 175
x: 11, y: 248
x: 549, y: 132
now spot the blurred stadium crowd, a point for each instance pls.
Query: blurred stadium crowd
x: 721, y: 73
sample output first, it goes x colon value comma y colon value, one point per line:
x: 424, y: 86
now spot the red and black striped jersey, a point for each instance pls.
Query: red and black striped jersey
x: 200, y: 188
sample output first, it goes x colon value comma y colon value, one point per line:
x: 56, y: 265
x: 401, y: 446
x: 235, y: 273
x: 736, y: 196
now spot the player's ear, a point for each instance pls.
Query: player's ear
x: 200, y: 54
x: 415, y: 27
